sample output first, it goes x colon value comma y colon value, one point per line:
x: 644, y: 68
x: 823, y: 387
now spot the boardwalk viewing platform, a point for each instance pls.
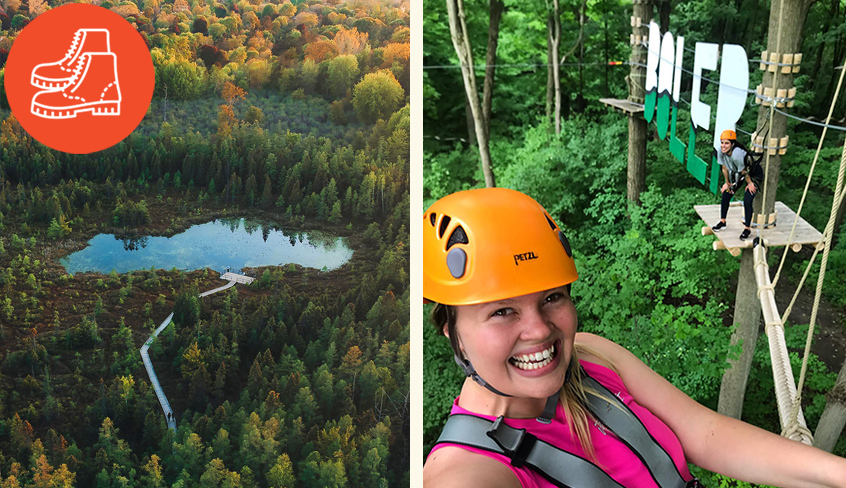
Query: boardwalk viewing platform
x: 237, y: 278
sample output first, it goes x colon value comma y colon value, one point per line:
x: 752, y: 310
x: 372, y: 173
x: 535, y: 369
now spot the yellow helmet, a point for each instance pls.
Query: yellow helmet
x: 492, y: 244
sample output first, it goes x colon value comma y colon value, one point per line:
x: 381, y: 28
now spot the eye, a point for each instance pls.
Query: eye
x: 502, y: 312
x: 554, y: 297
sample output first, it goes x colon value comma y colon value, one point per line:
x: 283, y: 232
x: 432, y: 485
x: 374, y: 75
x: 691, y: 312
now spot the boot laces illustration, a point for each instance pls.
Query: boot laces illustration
x: 56, y: 75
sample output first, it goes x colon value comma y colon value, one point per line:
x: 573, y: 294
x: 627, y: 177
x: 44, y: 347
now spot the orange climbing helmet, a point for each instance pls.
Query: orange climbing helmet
x: 491, y: 244
x: 729, y: 134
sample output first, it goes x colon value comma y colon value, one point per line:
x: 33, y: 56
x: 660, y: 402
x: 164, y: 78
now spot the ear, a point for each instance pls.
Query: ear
x: 446, y: 330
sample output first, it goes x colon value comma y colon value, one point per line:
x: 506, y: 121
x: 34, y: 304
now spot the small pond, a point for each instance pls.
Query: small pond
x: 217, y: 245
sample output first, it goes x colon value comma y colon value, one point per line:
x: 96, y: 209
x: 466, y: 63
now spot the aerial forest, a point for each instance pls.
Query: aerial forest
x: 648, y: 278
x: 293, y: 115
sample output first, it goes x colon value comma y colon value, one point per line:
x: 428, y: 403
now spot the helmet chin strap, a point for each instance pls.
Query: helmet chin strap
x: 470, y: 371
x: 551, y: 401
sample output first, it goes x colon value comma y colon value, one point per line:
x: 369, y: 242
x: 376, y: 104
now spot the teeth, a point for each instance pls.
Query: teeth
x: 535, y: 360
x: 531, y: 366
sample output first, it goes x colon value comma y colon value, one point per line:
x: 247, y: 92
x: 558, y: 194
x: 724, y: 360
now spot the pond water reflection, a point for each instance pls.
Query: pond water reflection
x: 232, y: 243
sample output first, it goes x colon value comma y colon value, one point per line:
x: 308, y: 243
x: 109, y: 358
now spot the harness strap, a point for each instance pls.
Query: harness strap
x: 631, y: 431
x: 560, y: 467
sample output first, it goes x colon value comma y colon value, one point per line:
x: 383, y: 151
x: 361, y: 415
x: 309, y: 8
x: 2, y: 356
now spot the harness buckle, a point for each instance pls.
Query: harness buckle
x: 515, y: 443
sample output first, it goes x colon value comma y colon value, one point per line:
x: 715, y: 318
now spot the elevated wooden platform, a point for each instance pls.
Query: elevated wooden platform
x: 625, y: 106
x: 729, y: 236
x: 237, y: 278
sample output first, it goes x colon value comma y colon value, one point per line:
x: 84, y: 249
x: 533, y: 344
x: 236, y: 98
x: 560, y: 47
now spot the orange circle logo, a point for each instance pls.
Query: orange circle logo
x: 79, y: 78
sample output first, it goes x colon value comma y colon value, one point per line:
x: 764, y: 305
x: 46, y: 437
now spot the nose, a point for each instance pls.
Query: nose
x: 535, y: 324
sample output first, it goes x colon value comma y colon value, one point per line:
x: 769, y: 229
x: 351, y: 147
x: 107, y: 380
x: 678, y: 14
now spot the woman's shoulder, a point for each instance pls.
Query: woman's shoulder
x: 453, y: 466
x: 597, y: 349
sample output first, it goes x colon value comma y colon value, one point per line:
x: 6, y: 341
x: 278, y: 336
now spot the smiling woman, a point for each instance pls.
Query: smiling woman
x: 543, y: 405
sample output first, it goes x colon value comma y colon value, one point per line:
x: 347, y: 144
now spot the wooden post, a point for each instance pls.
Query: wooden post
x: 787, y: 18
x: 636, y: 181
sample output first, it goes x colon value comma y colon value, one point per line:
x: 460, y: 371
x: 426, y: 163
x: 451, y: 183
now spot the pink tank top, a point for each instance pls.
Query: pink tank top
x: 615, y: 458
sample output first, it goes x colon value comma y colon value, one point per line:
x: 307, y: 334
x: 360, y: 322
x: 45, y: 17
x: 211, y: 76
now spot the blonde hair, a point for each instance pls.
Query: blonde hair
x: 573, y: 398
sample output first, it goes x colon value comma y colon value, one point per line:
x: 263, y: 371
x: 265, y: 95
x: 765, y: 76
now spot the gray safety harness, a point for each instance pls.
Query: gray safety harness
x: 560, y: 467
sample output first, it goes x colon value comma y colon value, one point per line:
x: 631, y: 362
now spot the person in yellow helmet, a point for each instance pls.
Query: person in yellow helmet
x: 738, y: 167
x: 543, y: 405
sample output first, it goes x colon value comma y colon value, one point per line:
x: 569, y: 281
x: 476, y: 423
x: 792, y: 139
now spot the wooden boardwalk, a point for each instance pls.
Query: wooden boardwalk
x: 145, y: 355
x: 776, y: 236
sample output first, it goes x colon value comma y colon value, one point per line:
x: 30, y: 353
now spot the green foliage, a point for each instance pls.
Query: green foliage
x: 585, y: 161
x: 343, y: 71
x: 131, y: 214
x: 186, y: 310
x: 180, y: 80
x: 84, y: 334
x: 377, y: 96
x: 58, y: 228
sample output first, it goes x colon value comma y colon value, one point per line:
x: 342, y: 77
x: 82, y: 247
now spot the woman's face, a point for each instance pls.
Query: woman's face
x: 521, y: 346
x: 725, y: 145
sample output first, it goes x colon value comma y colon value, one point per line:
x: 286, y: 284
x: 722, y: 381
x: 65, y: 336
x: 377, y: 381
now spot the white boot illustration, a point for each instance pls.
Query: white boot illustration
x: 57, y: 75
x: 93, y: 87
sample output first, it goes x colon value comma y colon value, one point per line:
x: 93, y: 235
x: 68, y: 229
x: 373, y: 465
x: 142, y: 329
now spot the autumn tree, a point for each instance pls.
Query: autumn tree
x: 342, y: 73
x: 377, y: 96
x: 350, y: 41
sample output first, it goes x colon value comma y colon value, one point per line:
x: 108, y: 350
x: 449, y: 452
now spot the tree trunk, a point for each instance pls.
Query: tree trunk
x: 664, y: 15
x: 580, y: 98
x: 834, y: 416
x: 471, y: 125
x: 605, y: 47
x: 636, y: 181
x: 461, y: 43
x: 747, y: 316
x: 819, y: 54
x: 557, y: 64
x: 837, y: 58
x: 785, y: 36
x: 490, y: 62
x: 838, y: 221
x: 555, y: 42
x: 550, y: 76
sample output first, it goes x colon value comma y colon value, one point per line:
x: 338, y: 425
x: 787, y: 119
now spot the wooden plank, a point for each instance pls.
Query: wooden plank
x: 626, y: 106
x: 777, y: 236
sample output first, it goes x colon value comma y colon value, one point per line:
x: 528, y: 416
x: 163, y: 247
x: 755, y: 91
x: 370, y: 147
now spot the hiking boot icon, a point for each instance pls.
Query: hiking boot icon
x: 93, y: 87
x: 84, y: 80
x: 57, y: 75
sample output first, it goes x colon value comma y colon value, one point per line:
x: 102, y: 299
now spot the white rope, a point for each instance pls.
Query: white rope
x: 793, y: 422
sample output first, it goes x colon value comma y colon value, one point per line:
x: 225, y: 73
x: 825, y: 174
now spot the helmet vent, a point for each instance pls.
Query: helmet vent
x: 566, y: 243
x: 444, y: 223
x: 549, y: 221
x: 432, y: 218
x: 458, y: 236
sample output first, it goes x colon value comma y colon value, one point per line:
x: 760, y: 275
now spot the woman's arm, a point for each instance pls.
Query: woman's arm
x: 727, y: 184
x: 719, y: 443
x: 454, y: 467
